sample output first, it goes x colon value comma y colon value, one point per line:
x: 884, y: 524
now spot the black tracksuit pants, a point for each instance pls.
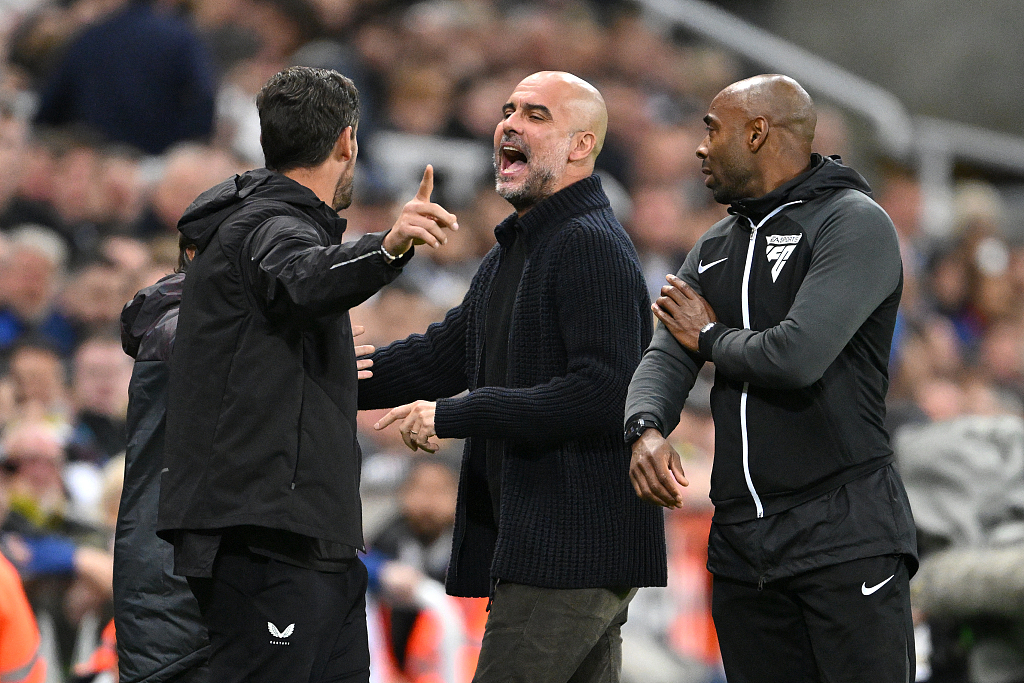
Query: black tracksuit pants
x: 846, y: 623
x: 276, y: 622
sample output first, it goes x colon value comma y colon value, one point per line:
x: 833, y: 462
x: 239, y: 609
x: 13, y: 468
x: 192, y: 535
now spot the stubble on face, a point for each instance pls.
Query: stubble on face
x: 544, y: 169
x: 343, y: 192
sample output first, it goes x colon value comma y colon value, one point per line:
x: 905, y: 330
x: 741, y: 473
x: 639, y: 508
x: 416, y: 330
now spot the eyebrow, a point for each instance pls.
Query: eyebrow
x: 529, y: 107
x: 708, y: 119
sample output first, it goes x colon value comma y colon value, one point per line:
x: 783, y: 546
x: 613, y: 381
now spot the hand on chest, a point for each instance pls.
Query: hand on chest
x: 751, y: 278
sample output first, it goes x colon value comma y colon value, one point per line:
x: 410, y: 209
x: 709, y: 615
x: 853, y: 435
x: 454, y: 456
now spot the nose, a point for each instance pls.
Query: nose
x: 702, y: 149
x: 511, y: 124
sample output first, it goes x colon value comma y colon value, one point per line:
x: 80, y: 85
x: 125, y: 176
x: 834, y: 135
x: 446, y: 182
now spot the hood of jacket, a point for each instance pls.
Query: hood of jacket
x: 202, y: 218
x: 142, y: 314
x: 826, y: 175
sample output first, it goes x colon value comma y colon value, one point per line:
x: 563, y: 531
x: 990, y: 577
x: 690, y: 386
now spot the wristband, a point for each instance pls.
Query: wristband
x: 387, y: 254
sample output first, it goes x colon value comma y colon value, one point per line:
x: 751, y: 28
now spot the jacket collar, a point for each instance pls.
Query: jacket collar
x: 283, y: 187
x: 823, y: 176
x: 551, y: 212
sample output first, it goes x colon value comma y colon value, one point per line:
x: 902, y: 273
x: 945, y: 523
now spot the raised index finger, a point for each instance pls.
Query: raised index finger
x: 427, y: 184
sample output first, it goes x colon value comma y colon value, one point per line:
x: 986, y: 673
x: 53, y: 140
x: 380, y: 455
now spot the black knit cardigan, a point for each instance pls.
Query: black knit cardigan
x: 580, y: 322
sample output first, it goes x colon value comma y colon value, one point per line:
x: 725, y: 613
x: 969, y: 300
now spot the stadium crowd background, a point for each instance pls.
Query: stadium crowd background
x: 115, y: 115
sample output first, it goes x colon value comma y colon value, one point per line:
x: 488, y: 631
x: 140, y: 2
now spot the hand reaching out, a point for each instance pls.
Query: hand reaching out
x: 417, y: 424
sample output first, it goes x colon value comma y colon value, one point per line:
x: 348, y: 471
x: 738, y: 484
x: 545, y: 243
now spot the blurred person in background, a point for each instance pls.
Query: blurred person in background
x: 186, y: 171
x: 20, y: 660
x: 99, y: 389
x: 64, y: 559
x: 414, y: 547
x: 38, y: 381
x: 31, y: 274
x: 140, y: 76
x: 259, y: 488
x: 547, y: 525
x: 813, y: 543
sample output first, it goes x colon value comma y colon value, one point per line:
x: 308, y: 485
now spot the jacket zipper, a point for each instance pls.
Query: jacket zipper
x: 745, y: 305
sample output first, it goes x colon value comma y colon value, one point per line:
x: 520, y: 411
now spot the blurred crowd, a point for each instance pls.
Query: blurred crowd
x: 115, y: 114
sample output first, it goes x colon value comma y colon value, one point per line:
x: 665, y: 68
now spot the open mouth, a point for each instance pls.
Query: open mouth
x: 512, y: 159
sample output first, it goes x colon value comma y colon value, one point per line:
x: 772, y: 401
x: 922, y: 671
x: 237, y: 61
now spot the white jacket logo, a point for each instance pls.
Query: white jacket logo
x: 780, y: 248
x: 280, y: 634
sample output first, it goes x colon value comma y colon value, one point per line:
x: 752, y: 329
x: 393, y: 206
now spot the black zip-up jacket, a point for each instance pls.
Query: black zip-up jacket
x: 261, y: 415
x: 579, y: 323
x: 160, y: 633
x: 805, y: 282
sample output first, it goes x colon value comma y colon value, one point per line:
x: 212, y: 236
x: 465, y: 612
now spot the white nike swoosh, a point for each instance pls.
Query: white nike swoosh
x: 701, y: 267
x: 868, y: 591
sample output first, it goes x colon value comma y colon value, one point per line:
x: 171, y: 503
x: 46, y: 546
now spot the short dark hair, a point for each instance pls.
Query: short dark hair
x: 303, y: 111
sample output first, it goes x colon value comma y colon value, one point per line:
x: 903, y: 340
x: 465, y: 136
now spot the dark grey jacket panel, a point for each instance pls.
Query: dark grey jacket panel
x: 160, y: 633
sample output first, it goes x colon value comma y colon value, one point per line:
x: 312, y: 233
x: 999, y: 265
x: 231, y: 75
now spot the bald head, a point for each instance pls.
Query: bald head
x: 760, y: 132
x: 552, y: 129
x: 583, y: 103
x: 780, y: 100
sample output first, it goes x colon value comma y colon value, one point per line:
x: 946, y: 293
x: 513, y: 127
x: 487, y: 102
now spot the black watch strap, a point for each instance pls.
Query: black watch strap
x: 637, y: 426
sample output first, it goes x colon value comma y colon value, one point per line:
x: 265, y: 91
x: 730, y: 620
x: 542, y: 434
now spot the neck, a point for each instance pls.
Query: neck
x: 316, y: 179
x: 782, y: 171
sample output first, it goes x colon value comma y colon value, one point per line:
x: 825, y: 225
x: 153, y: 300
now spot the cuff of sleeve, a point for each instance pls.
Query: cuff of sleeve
x: 706, y: 340
x: 399, y: 262
x: 442, y: 424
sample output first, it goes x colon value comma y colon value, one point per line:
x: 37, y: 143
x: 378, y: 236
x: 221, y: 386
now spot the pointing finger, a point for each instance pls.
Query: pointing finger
x: 426, y: 185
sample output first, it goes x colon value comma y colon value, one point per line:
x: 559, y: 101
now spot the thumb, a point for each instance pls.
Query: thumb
x: 426, y: 185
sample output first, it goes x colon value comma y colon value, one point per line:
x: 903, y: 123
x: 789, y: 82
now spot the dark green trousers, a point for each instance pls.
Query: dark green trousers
x: 548, y: 635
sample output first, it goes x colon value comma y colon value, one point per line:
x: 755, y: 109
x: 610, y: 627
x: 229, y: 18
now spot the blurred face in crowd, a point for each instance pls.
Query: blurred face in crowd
x: 34, y: 458
x: 548, y: 124
x: 725, y: 160
x: 428, y: 500
x: 38, y: 377
x: 30, y: 282
x: 101, y: 376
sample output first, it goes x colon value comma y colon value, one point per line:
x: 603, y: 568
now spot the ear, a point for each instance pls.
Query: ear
x: 582, y: 145
x: 757, y: 133
x: 345, y: 146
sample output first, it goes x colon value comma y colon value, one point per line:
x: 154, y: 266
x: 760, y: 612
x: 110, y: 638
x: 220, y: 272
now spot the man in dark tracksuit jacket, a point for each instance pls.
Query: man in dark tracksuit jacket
x: 160, y: 633
x: 545, y: 510
x: 260, y: 491
x: 813, y: 541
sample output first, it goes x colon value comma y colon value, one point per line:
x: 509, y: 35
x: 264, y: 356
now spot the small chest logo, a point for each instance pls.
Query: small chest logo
x: 280, y: 636
x: 780, y: 248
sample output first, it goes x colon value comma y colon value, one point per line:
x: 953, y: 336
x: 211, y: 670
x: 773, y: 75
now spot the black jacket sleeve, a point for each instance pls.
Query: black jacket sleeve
x: 292, y: 271
x: 855, y: 265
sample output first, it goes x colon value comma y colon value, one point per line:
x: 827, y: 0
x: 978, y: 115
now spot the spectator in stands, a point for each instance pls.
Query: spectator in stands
x: 415, y: 545
x: 186, y: 171
x: 139, y: 76
x: 39, y: 384
x: 99, y: 388
x: 31, y: 274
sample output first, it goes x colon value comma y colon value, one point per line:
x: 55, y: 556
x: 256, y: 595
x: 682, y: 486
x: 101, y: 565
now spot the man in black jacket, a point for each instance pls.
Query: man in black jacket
x: 260, y: 487
x: 546, y: 521
x: 794, y: 298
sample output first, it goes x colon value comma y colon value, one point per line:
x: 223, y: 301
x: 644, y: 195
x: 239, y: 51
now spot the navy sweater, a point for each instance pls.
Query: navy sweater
x: 580, y: 322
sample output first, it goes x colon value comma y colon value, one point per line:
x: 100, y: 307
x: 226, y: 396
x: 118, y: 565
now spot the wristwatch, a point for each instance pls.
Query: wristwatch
x: 707, y: 327
x: 636, y: 427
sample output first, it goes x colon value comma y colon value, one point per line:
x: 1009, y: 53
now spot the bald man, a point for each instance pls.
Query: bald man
x: 794, y: 298
x: 532, y: 370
